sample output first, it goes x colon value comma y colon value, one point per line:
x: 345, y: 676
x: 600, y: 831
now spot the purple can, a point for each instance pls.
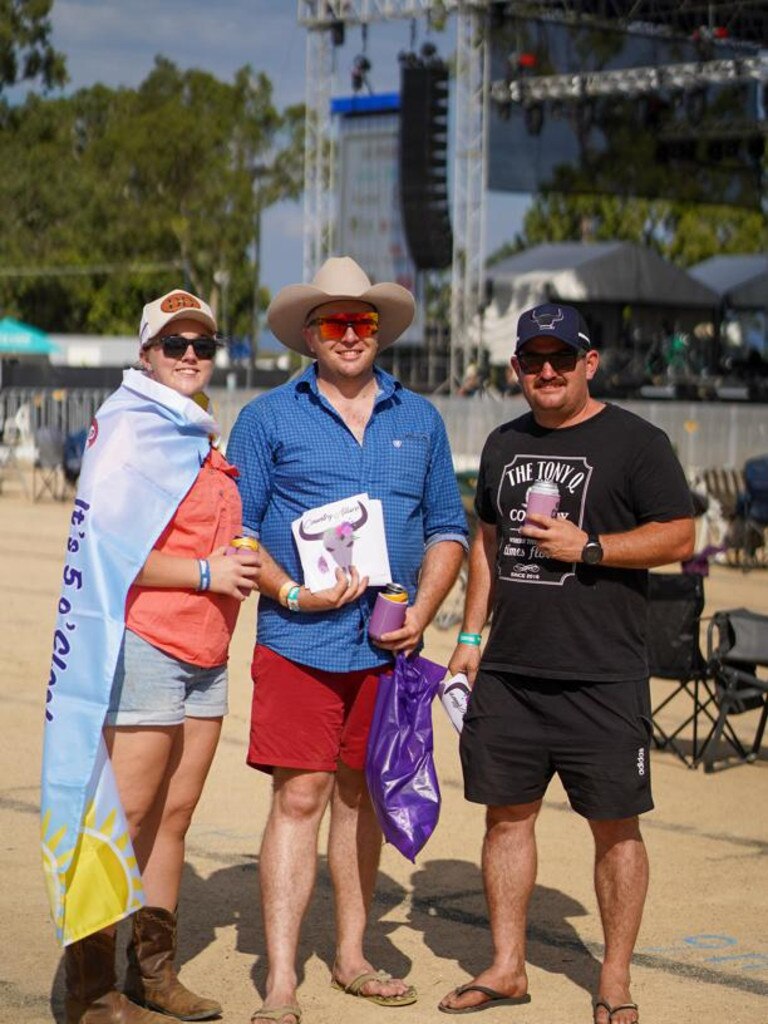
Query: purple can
x: 543, y: 499
x: 389, y: 611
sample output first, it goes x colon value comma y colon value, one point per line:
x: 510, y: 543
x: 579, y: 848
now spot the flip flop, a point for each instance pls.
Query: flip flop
x: 276, y: 1013
x: 494, y: 999
x: 355, y: 986
x: 598, y: 1003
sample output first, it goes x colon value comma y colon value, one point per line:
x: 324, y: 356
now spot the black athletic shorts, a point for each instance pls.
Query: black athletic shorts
x: 519, y: 730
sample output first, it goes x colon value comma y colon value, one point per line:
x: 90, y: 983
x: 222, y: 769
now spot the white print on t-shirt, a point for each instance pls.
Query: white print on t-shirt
x: 519, y: 558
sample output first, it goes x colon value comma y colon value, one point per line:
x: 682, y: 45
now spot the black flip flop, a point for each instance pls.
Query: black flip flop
x: 494, y: 999
x: 603, y: 1004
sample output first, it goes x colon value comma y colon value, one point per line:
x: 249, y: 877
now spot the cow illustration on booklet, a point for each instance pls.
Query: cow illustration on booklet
x: 337, y: 540
x: 339, y: 535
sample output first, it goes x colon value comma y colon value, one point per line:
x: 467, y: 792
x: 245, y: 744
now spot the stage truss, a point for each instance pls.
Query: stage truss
x: 742, y: 20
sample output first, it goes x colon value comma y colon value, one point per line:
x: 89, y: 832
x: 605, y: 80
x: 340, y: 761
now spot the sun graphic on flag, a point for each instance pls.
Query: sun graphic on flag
x: 99, y: 885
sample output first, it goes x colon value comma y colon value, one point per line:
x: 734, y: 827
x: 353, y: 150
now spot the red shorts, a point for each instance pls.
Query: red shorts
x: 305, y: 718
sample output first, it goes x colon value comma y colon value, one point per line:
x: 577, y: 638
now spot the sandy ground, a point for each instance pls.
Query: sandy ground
x: 702, y: 953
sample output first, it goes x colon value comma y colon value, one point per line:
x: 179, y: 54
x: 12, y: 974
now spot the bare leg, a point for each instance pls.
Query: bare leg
x: 621, y: 883
x: 160, y: 842
x: 287, y: 867
x: 509, y: 874
x: 140, y: 756
x: 354, y: 847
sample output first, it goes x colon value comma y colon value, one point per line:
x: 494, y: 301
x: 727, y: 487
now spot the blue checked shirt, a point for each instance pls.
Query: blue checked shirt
x: 294, y: 453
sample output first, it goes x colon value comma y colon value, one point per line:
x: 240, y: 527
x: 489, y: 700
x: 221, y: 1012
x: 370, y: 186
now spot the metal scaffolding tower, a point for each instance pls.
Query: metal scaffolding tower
x: 318, y: 152
x: 470, y: 165
x: 326, y: 20
x: 324, y: 17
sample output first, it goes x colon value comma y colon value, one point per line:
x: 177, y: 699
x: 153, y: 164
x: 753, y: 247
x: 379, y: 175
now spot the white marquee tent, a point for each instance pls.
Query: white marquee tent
x: 740, y: 280
x: 602, y: 279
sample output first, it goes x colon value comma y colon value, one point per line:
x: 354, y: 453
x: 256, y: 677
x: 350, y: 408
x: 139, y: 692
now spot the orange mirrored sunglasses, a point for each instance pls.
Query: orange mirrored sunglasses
x: 336, y: 325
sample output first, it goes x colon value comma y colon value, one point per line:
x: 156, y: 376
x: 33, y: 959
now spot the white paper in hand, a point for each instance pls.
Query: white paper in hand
x: 454, y: 696
x: 340, y: 535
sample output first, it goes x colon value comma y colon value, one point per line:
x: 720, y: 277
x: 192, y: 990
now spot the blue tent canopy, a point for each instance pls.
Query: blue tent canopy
x: 18, y: 339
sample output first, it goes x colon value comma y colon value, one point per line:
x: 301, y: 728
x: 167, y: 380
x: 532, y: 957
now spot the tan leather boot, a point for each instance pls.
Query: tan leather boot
x: 151, y: 977
x: 91, y: 998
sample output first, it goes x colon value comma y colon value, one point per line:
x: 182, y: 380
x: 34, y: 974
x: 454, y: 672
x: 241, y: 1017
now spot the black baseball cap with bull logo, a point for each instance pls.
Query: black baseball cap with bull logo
x: 553, y: 320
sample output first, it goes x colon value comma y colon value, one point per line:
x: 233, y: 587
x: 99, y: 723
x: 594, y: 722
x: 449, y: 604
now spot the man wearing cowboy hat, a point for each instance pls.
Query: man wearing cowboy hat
x: 342, y: 428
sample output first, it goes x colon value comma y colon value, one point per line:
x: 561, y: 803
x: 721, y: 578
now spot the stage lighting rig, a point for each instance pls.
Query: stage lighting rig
x: 630, y: 82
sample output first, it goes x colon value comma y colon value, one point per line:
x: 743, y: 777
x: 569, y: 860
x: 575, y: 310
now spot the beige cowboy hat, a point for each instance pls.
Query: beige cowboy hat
x: 339, y: 278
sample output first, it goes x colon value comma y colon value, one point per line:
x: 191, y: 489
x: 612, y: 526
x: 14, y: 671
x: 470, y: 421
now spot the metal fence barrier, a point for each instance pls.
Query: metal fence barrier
x: 704, y: 434
x: 67, y: 409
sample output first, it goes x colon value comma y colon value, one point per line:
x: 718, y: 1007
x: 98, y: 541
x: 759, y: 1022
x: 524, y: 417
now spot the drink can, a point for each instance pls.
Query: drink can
x: 388, y: 611
x: 241, y: 541
x: 543, y: 499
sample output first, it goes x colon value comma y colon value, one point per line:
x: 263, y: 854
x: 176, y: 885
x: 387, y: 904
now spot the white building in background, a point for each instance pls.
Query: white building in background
x: 91, y: 350
x: 95, y: 350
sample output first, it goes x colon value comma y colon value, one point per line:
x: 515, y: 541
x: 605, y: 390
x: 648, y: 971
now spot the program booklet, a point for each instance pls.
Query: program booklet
x: 340, y: 535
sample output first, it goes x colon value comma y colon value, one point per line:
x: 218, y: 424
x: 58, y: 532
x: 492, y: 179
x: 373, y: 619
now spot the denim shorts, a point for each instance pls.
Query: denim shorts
x: 154, y: 688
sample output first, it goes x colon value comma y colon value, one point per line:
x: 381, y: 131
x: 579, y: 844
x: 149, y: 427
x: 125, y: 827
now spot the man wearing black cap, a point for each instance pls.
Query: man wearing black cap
x: 562, y: 685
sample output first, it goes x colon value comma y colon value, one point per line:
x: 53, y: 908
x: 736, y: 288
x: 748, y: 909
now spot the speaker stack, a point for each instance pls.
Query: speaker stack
x: 424, y: 161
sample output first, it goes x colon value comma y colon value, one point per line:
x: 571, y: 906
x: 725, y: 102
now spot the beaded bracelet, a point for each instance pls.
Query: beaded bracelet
x: 282, y: 593
x: 471, y: 639
x: 204, y: 568
x: 292, y: 598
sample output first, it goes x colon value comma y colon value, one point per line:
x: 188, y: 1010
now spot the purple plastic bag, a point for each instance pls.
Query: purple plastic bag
x: 399, y: 766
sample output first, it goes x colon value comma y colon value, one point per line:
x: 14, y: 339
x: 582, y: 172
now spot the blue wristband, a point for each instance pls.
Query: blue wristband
x: 292, y: 599
x: 204, y: 568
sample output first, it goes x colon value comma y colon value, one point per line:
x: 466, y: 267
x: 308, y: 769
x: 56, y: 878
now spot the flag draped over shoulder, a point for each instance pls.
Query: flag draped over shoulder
x: 144, y: 451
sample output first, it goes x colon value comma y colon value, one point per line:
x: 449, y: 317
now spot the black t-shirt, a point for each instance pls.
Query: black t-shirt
x: 559, y: 620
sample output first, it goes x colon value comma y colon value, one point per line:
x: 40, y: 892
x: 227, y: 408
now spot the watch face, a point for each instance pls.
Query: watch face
x: 592, y: 552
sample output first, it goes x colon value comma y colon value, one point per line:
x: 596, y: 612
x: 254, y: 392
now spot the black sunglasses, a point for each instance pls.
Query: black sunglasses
x: 174, y: 346
x: 563, y: 361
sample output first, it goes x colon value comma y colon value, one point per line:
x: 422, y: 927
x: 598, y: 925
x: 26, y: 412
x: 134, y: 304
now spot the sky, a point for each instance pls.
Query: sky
x: 116, y: 41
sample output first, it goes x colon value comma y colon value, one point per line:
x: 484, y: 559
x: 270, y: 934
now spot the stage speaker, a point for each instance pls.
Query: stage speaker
x: 424, y: 162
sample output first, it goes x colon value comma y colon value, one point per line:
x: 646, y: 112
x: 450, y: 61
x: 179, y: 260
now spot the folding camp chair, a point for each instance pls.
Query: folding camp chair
x: 48, y: 467
x: 737, y: 644
x: 675, y: 604
x: 9, y: 464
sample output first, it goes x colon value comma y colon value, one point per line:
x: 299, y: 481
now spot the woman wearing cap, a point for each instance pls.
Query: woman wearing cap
x: 148, y: 627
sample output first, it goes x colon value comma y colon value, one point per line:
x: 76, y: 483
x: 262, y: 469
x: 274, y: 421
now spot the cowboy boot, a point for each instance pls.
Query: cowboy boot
x: 151, y: 977
x: 91, y: 997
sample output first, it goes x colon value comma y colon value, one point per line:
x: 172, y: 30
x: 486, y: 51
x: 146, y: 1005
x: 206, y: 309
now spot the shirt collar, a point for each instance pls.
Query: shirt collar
x: 386, y: 383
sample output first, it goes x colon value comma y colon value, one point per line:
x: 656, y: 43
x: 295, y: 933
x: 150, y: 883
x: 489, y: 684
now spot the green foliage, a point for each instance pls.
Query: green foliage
x: 175, y: 172
x: 685, y: 233
x: 25, y: 50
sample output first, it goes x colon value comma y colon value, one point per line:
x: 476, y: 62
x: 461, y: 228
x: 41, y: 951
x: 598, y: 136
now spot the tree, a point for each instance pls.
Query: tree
x: 163, y: 174
x: 685, y: 233
x: 26, y: 53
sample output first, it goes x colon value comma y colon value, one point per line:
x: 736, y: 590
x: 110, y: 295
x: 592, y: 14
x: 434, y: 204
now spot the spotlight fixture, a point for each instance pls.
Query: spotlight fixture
x: 360, y: 68
x: 585, y: 115
x: 533, y: 116
x: 696, y: 104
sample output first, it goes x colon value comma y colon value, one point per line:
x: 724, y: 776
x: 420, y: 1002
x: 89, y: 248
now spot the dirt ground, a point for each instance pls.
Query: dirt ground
x: 703, y: 949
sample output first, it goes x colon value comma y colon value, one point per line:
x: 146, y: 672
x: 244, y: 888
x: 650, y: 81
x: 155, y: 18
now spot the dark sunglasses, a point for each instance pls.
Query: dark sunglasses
x: 333, y: 328
x: 561, y: 362
x: 174, y: 346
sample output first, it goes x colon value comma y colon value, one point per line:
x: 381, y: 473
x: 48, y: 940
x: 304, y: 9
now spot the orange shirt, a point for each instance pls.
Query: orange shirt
x: 194, y: 627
